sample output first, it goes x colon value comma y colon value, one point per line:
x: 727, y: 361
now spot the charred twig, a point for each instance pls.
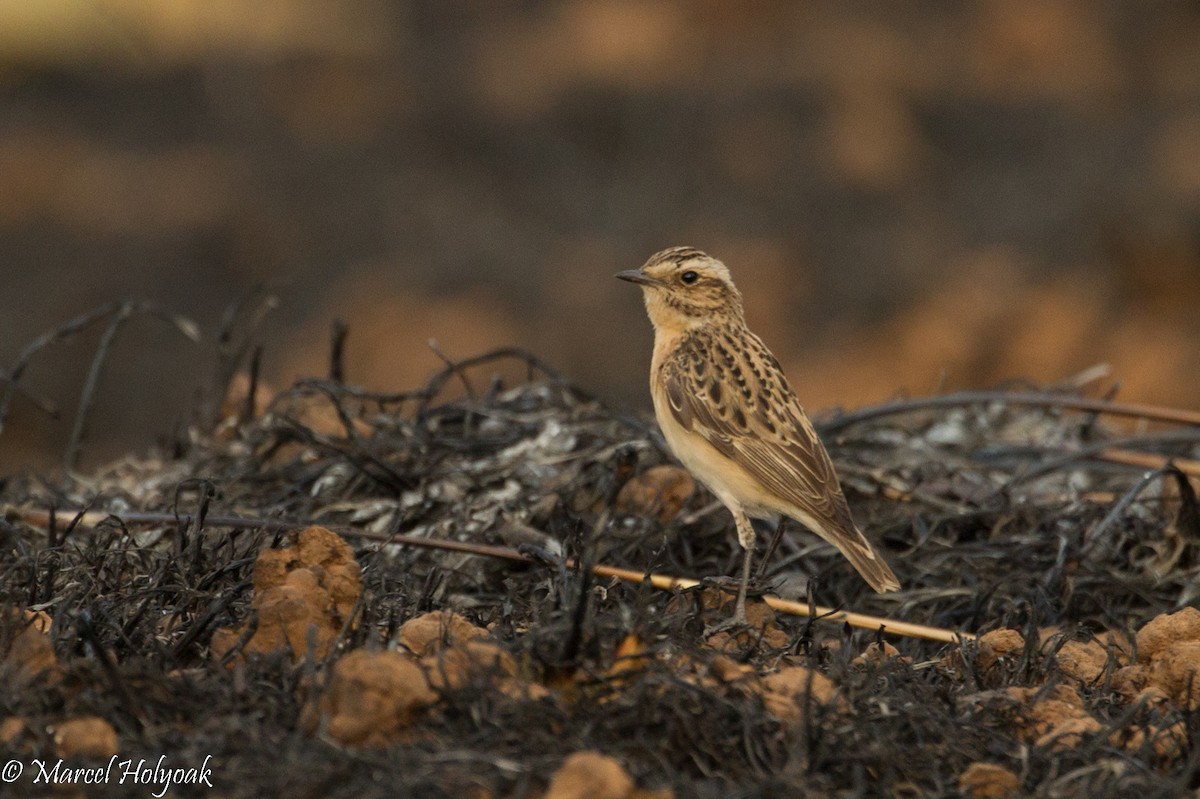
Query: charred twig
x: 43, y: 404
x: 1149, y: 460
x: 232, y: 348
x: 71, y: 328
x: 364, y: 462
x: 660, y: 581
x: 571, y: 647
x: 1187, y: 509
x: 454, y: 368
x: 1027, y: 398
x: 10, y: 385
x: 197, y: 628
x: 88, y: 396
x: 1119, y: 452
x: 1188, y: 519
x: 438, y: 382
x: 337, y: 348
x: 776, y: 535
x: 86, y: 626
x: 249, y: 406
x: 329, y: 390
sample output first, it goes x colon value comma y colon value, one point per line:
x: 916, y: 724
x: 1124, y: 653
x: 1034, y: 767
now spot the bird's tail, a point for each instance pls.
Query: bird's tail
x: 866, y: 560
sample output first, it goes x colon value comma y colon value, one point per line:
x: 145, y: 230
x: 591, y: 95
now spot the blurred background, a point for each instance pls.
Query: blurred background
x: 913, y: 198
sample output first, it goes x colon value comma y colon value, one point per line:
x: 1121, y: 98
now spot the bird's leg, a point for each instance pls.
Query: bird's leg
x: 739, y: 613
x: 746, y: 538
x: 778, y: 534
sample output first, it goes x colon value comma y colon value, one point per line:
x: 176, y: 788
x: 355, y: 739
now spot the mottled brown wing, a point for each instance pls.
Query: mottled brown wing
x: 775, y: 443
x: 745, y: 408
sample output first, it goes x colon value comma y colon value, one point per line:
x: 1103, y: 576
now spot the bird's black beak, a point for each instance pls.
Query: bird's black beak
x: 636, y: 276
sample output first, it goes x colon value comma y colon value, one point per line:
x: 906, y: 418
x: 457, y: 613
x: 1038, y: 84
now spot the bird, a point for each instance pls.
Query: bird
x: 729, y: 415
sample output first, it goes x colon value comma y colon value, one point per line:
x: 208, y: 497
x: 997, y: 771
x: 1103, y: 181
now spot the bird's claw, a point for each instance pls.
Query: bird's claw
x: 737, y: 621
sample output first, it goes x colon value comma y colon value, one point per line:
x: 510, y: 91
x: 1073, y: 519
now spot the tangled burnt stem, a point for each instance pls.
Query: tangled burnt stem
x: 117, y: 314
x: 979, y: 541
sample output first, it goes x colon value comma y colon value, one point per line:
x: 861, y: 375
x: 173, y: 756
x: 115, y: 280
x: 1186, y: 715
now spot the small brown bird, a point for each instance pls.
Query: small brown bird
x: 728, y: 413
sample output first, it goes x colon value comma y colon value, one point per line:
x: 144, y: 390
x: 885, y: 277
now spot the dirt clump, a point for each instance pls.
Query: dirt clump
x: 1087, y: 661
x: 431, y: 632
x: 659, y: 493
x: 303, y: 596
x: 591, y: 775
x: 998, y: 651
x: 1166, y: 629
x: 454, y: 653
x: 471, y: 661
x: 879, y: 652
x: 988, y: 781
x: 788, y: 692
x: 630, y: 659
x: 371, y: 699
x: 86, y: 737
x: 1046, y: 716
x: 1168, y: 662
x: 26, y: 651
x: 11, y: 729
x: 1175, y: 671
x: 728, y: 670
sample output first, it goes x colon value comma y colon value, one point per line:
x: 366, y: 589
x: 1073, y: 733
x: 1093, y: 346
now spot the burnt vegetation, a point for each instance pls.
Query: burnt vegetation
x: 1064, y: 529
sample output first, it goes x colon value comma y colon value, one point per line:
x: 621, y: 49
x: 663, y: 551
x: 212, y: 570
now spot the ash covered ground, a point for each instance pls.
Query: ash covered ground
x: 243, y: 594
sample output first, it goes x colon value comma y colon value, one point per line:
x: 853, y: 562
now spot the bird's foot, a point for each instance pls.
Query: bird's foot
x: 722, y: 583
x: 731, y: 585
x: 736, y: 622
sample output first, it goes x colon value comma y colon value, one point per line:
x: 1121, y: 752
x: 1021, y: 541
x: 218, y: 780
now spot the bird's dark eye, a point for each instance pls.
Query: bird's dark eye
x: 689, y: 277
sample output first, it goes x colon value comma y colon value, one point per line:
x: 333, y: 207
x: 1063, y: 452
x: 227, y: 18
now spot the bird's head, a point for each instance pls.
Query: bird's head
x: 684, y: 288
